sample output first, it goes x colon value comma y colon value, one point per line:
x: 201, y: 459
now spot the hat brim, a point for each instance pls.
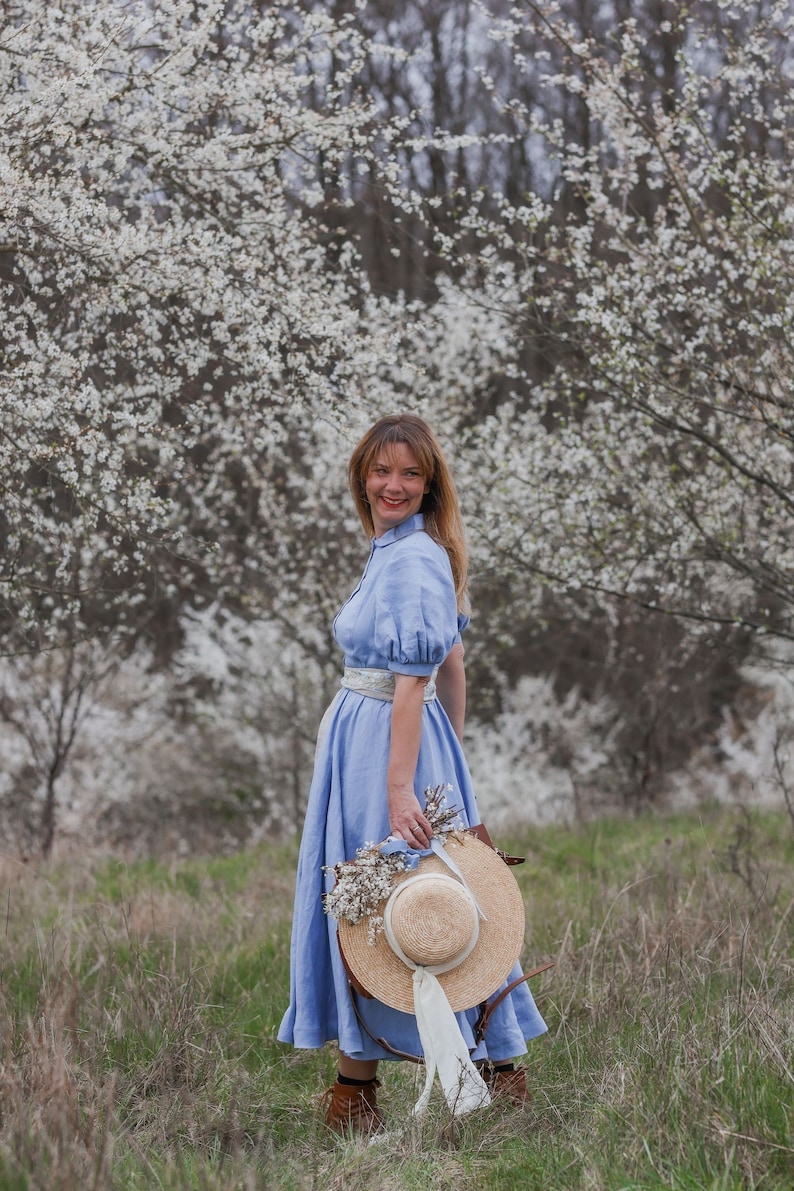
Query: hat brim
x: 378, y: 970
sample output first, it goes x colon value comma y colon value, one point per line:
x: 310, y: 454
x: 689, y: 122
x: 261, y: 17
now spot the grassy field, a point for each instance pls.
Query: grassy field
x: 139, y: 1005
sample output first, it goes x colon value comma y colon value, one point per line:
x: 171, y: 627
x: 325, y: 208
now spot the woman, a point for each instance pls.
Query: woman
x: 393, y: 731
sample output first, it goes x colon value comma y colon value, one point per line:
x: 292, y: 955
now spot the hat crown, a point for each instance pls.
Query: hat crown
x: 432, y: 919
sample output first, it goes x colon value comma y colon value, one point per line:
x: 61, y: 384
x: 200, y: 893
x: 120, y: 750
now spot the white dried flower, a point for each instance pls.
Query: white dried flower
x: 363, y: 884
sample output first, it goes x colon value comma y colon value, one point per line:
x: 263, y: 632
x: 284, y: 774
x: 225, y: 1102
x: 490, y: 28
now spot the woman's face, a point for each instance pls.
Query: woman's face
x: 395, y: 487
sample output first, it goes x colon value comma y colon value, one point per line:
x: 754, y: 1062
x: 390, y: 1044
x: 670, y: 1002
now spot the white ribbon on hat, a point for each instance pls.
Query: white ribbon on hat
x: 443, y: 1044
x: 437, y: 847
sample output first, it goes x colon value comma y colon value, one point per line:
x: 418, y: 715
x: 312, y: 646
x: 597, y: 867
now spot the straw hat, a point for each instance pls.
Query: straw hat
x: 433, y: 921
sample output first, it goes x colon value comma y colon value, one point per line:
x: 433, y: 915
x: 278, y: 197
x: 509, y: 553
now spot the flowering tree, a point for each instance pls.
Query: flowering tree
x: 177, y: 311
x: 181, y: 324
x: 231, y: 234
x: 190, y: 340
x: 652, y: 458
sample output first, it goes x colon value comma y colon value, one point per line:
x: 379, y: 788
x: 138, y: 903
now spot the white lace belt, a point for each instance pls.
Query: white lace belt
x: 379, y: 684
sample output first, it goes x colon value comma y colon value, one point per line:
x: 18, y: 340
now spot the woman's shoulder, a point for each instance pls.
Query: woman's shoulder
x: 421, y: 541
x: 411, y: 550
x: 420, y: 547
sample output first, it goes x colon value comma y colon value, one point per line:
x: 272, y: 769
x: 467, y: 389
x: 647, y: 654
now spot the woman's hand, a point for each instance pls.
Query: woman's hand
x: 406, y: 818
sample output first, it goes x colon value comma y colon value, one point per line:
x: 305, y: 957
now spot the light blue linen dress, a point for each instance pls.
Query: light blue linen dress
x: 402, y: 617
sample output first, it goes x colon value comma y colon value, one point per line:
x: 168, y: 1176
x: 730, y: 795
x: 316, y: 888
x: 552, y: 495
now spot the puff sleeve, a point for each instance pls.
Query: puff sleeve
x: 416, y: 616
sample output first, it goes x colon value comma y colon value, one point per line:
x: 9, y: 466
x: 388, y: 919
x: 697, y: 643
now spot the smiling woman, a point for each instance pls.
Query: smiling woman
x: 392, y: 733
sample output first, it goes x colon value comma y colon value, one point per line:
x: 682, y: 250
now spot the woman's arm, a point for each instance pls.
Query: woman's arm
x: 406, y: 819
x: 451, y: 688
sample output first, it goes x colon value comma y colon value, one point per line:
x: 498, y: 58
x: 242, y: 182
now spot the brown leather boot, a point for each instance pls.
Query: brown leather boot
x: 353, y: 1108
x: 507, y: 1087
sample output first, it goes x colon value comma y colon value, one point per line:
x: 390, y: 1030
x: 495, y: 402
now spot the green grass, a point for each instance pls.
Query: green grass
x: 139, y: 1005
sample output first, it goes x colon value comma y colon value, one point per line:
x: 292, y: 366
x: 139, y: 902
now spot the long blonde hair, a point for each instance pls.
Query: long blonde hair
x: 440, y: 506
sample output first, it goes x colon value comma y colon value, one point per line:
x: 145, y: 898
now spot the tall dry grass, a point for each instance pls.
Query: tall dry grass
x: 139, y: 1008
